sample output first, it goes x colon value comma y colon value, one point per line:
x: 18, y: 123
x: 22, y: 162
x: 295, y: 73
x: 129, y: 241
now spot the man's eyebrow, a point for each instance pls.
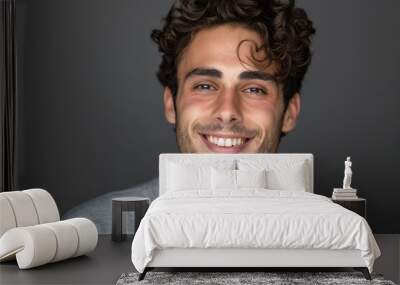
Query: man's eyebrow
x: 256, y: 74
x: 200, y: 71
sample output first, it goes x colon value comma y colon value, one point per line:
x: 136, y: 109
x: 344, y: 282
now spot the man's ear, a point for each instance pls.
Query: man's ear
x: 291, y: 114
x: 169, y: 108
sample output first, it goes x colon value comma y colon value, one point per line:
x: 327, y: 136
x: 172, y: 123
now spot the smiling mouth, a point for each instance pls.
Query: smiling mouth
x: 225, y: 143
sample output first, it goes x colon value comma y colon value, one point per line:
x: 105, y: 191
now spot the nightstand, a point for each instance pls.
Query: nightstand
x: 126, y: 204
x: 358, y: 205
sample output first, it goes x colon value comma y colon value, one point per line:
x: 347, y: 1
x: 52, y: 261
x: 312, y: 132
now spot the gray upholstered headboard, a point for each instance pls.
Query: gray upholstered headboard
x: 211, y: 158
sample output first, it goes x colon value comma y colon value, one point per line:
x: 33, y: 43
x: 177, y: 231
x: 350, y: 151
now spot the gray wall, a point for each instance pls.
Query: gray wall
x: 91, y: 117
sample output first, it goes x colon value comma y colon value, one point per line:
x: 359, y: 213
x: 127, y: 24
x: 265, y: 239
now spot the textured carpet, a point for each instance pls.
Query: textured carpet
x: 230, y: 278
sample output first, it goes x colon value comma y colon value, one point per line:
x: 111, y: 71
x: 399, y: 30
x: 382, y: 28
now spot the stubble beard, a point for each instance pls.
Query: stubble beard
x: 182, y: 139
x: 269, y: 145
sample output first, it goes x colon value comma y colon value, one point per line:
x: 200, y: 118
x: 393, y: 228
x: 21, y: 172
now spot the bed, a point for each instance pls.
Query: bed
x: 246, y: 211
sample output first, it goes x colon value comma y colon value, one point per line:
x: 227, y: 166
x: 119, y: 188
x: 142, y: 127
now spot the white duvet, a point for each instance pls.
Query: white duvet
x: 251, y: 218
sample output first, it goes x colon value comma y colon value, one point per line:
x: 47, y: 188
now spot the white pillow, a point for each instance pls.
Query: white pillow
x: 287, y: 179
x: 189, y: 174
x: 223, y: 179
x: 282, y: 174
x: 187, y: 177
x: 251, y: 178
x: 228, y: 179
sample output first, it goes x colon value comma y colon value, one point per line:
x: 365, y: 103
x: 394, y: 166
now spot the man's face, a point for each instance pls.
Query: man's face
x: 225, y: 105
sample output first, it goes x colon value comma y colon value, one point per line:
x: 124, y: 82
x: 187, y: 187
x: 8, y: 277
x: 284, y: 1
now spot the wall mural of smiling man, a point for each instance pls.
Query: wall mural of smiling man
x: 232, y: 73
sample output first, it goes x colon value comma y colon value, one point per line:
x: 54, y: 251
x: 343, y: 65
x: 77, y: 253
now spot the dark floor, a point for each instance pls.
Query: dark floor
x: 110, y: 260
x: 389, y: 262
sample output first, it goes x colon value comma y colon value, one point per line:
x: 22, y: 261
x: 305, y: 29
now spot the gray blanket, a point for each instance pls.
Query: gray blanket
x: 99, y: 209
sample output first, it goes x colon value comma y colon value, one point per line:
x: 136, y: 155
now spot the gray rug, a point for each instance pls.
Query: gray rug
x: 269, y: 278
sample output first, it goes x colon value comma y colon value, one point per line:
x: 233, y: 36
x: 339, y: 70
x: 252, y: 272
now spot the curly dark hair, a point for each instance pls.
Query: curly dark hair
x: 285, y: 30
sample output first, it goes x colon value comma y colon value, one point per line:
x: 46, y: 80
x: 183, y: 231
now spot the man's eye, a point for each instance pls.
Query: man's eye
x: 255, y: 90
x: 204, y: 87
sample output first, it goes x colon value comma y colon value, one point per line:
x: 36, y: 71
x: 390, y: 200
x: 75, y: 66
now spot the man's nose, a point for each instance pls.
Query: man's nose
x: 228, y: 107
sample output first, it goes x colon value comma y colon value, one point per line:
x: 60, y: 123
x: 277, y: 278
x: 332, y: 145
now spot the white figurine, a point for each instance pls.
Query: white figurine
x: 347, y: 174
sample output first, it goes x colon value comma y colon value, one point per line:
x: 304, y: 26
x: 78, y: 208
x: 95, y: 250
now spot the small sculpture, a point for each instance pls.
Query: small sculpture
x: 348, y: 173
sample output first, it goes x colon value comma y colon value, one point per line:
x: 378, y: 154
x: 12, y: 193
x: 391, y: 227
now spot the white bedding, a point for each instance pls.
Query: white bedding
x: 250, y: 218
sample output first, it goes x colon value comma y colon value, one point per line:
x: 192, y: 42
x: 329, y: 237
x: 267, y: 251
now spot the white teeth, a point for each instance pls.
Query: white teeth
x: 225, y: 142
